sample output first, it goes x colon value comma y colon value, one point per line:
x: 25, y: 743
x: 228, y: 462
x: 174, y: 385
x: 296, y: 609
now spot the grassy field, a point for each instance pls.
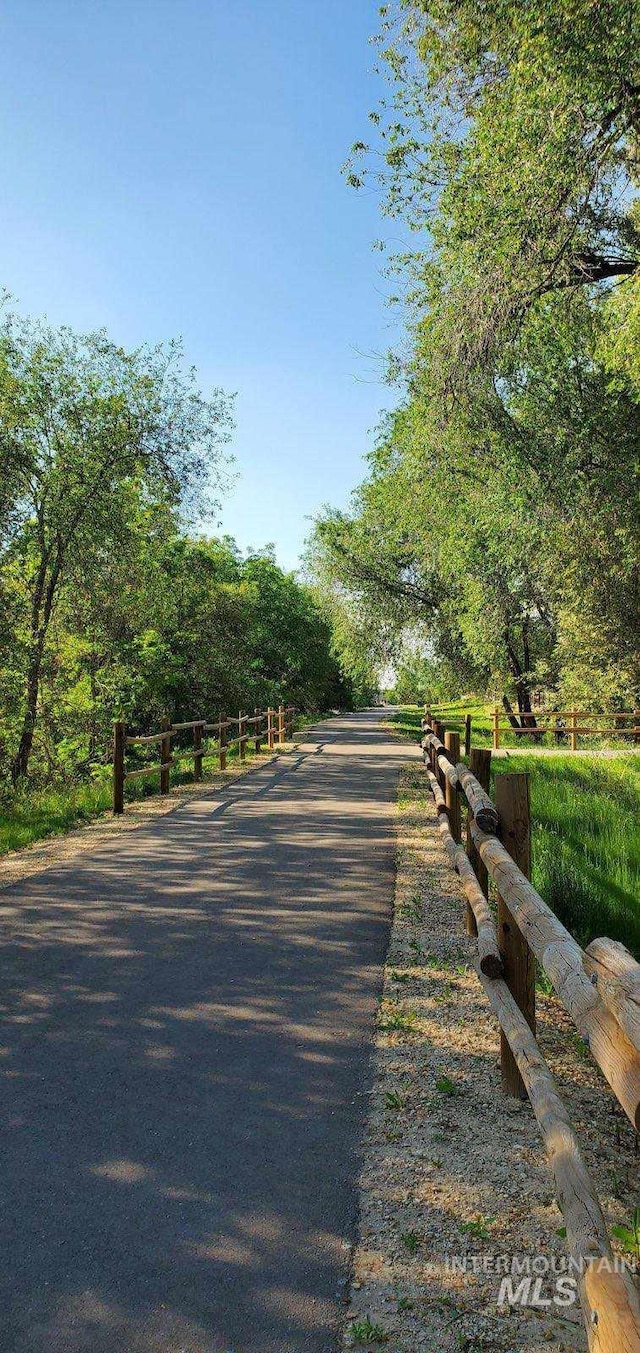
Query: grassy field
x: 585, y: 835
x: 453, y: 716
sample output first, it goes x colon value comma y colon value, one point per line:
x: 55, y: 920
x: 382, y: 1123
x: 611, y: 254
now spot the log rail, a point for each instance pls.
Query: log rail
x: 565, y: 725
x: 599, y: 988
x: 276, y: 725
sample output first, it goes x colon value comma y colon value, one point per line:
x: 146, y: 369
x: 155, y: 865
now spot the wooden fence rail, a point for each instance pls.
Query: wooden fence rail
x: 565, y: 725
x: 599, y: 988
x: 276, y: 724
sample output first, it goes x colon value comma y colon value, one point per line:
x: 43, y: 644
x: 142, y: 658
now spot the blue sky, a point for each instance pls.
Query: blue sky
x: 173, y: 167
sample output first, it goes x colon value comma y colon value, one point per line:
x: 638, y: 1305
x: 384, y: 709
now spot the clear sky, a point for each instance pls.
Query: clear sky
x: 173, y: 167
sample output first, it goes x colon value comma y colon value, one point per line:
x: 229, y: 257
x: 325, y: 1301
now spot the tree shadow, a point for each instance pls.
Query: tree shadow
x: 187, y: 1019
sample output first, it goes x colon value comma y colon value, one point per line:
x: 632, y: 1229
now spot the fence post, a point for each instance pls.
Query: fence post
x: 496, y: 729
x: 257, y: 728
x: 452, y: 744
x: 270, y: 728
x: 467, y: 734
x: 165, y: 755
x: 511, y: 792
x: 574, y: 730
x: 636, y: 725
x: 280, y: 723
x: 197, y: 751
x: 438, y: 729
x: 480, y: 766
x: 241, y: 738
x: 118, y: 766
x: 222, y: 741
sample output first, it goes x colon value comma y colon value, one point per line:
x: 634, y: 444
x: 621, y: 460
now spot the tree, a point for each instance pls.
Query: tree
x: 502, y: 505
x: 88, y: 433
x: 511, y: 143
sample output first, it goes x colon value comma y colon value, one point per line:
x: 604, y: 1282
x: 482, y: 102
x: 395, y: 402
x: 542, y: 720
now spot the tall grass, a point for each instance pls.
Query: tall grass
x: 586, y: 841
x: 31, y: 814
x: 585, y: 836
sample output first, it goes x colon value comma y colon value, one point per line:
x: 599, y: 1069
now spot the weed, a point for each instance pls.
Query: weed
x: 543, y: 983
x: 445, y: 1086
x: 412, y: 909
x: 394, y: 1019
x: 394, y: 1101
x: 444, y: 994
x: 367, y: 1332
x: 410, y: 1241
x: 404, y: 1304
x: 579, y: 1046
x: 478, y: 1228
x: 629, y: 1236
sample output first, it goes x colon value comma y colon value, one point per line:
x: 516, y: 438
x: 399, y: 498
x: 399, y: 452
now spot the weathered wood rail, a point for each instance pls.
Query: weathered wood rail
x: 599, y: 988
x: 209, y: 739
x: 565, y: 726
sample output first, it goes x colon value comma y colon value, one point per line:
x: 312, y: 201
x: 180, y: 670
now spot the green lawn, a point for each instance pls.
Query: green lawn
x: 585, y: 836
x: 453, y: 716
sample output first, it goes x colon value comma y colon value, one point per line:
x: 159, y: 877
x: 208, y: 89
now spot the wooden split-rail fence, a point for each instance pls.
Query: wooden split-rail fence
x: 599, y: 988
x: 274, y: 726
x: 564, y: 725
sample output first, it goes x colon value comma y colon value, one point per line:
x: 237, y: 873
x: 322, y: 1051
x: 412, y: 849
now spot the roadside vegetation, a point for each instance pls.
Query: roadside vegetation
x: 494, y: 544
x: 32, y: 812
x: 455, y: 713
x: 585, y: 814
x: 117, y: 600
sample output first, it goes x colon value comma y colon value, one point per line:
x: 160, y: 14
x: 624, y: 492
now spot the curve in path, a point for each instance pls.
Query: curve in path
x: 187, y: 1021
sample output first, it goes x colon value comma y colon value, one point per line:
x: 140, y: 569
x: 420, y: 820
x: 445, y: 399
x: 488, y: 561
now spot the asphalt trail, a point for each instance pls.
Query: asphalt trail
x: 187, y: 1017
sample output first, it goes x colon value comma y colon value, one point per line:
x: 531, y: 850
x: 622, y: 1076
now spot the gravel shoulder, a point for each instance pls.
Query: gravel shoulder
x: 452, y: 1167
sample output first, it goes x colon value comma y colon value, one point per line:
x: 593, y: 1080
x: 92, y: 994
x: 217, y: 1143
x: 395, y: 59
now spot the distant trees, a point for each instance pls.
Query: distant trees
x: 110, y: 605
x: 500, y: 519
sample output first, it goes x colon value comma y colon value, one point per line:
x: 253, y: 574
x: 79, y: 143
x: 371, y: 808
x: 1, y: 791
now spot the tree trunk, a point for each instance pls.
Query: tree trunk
x: 513, y: 718
x: 20, y: 763
x: 40, y: 616
x: 520, y: 675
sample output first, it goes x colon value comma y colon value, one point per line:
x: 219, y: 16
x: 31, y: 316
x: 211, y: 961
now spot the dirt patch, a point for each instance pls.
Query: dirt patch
x: 52, y: 850
x: 453, y: 1170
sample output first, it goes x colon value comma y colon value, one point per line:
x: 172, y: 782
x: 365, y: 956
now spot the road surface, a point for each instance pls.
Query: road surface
x: 185, y: 1052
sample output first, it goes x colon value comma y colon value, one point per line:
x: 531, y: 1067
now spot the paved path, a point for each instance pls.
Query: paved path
x: 187, y: 1019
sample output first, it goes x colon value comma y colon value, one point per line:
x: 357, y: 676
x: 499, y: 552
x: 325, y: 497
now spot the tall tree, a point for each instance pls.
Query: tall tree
x: 87, y: 432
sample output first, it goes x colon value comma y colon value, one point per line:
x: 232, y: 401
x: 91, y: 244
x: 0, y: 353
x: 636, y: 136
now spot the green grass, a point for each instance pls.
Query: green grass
x: 453, y: 717
x: 585, y: 836
x: 31, y: 814
x: 586, y: 841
